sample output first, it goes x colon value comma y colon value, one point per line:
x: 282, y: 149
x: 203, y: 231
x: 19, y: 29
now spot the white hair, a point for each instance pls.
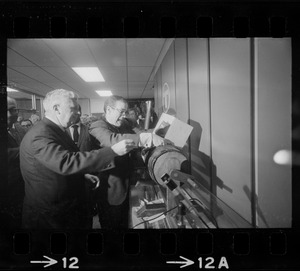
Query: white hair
x: 57, y: 96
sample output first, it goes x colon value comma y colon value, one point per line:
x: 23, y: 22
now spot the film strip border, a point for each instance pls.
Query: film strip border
x: 148, y: 19
x: 152, y: 250
x: 145, y: 250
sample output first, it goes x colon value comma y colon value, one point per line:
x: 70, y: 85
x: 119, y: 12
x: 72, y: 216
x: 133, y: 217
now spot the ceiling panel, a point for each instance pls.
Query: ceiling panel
x: 108, y: 52
x: 140, y: 85
x: 16, y: 60
x: 70, y: 78
x: 143, y: 52
x: 73, y: 52
x: 134, y: 94
x: 17, y: 80
x: 40, y: 65
x: 139, y: 74
x: 116, y: 74
x: 138, y: 89
x: 37, y: 74
x: 35, y: 51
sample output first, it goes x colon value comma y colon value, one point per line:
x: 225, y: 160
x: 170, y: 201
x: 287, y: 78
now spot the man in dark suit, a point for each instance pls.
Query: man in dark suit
x: 53, y: 168
x: 113, y: 200
x: 79, y: 132
x: 85, y: 142
x: 12, y: 189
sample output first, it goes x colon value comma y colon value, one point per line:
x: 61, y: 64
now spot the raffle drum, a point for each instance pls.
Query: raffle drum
x: 162, y: 160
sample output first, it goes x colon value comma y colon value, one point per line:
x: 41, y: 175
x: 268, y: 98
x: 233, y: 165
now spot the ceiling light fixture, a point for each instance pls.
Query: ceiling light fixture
x: 11, y: 90
x: 89, y: 74
x: 104, y: 93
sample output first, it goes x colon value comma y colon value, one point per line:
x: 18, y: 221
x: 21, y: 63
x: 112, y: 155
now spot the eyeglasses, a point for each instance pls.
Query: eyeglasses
x: 122, y: 112
x: 13, y: 110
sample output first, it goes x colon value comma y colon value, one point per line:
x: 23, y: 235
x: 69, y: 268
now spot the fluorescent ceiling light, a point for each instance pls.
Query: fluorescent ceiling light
x: 89, y: 74
x: 11, y: 90
x: 104, y: 93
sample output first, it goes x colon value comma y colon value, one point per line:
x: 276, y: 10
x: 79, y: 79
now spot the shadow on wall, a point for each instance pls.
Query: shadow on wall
x: 205, y: 171
x: 202, y: 166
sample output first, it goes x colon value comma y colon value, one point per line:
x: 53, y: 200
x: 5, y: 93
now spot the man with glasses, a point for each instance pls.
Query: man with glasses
x: 12, y: 189
x: 113, y: 198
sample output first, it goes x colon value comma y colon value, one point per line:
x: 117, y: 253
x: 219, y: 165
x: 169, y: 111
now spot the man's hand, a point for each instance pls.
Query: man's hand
x: 124, y: 146
x: 149, y: 140
x: 94, y: 180
x: 158, y: 141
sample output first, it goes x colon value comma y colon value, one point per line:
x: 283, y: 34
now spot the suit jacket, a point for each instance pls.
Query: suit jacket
x: 117, y: 179
x: 86, y: 142
x: 14, y: 188
x: 53, y: 170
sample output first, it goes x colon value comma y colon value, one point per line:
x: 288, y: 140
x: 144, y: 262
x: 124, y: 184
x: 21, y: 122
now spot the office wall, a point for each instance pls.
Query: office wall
x: 236, y: 95
x: 96, y: 105
x: 231, y: 120
x: 168, y: 84
x: 181, y: 80
x: 85, y: 106
x: 27, y: 104
x: 199, y: 110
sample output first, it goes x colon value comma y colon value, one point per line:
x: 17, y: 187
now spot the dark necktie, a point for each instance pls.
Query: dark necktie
x: 75, y: 133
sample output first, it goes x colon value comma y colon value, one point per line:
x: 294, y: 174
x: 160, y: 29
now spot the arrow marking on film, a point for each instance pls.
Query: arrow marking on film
x: 49, y: 262
x: 185, y: 263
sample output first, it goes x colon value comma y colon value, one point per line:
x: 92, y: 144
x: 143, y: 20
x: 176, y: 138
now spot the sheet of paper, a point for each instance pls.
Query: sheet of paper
x: 173, y: 129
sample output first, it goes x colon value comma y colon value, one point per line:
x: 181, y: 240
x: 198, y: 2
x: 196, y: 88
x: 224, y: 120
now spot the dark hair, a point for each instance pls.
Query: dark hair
x: 133, y: 109
x: 111, y: 101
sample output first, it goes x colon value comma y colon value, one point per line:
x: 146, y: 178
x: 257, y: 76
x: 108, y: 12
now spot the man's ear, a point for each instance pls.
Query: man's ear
x: 56, y: 108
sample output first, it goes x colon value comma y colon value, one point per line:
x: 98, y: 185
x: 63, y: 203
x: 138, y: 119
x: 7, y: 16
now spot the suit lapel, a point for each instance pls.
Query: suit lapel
x: 63, y: 135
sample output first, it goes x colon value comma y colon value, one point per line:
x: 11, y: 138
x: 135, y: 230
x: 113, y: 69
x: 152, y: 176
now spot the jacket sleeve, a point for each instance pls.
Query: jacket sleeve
x: 106, y: 137
x: 54, y: 156
x: 12, y: 154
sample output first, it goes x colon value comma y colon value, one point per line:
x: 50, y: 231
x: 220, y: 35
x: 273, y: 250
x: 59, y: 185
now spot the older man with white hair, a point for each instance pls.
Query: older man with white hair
x: 53, y: 168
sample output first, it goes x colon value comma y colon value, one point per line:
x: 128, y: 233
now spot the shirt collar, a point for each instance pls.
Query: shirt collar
x: 53, y: 120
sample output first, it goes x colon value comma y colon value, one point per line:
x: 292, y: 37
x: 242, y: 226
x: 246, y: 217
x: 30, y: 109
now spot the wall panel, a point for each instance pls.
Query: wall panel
x: 237, y: 97
x: 168, y: 80
x: 85, y: 106
x: 273, y: 131
x: 182, y: 106
x: 159, y: 92
x: 199, y: 110
x: 97, y: 105
x: 231, y: 121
